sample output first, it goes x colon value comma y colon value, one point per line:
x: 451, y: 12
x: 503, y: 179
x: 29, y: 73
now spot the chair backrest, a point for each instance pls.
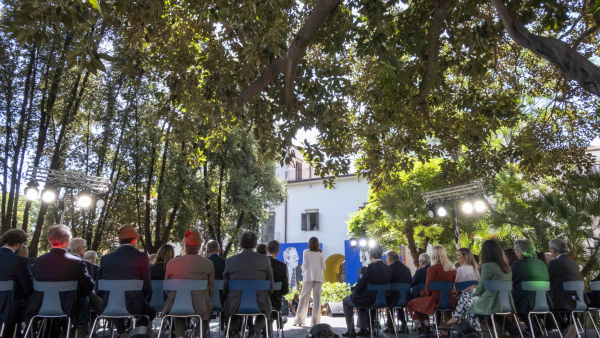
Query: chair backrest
x: 595, y: 286
x: 7, y: 285
x: 51, y: 305
x: 277, y: 286
x: 503, y: 287
x: 158, y: 295
x: 216, y: 297
x: 541, y: 289
x: 463, y: 285
x: 576, y: 286
x: 6, y: 288
x: 182, y: 305
x: 380, y: 301
x: 404, y: 288
x: 116, y: 299
x: 248, y: 302
x: 445, y: 288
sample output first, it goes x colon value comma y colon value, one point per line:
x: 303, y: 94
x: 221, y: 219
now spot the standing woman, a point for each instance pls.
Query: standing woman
x: 313, y: 265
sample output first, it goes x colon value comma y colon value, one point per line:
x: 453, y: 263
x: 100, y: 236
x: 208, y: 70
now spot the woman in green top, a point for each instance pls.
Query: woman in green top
x: 482, y: 301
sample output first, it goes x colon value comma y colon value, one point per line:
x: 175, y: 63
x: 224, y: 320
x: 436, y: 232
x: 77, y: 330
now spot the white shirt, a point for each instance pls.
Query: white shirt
x: 313, y: 265
x: 466, y: 273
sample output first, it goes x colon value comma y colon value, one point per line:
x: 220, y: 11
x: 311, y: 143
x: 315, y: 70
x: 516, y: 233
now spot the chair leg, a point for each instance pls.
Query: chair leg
x: 530, y: 322
x: 494, y: 327
x: 542, y: 328
x: 519, y: 326
x: 220, y: 328
x: 556, y: 324
x: 593, y: 323
x: 94, y: 326
x: 29, y: 326
x: 575, y: 323
x: 370, y: 323
x: 437, y: 332
x: 394, y: 324
x: 229, y: 328
x: 161, y: 326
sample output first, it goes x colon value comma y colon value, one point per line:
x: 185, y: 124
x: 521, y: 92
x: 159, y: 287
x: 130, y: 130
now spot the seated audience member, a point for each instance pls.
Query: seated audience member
x: 481, y: 301
x: 293, y: 304
x: 16, y: 268
x: 191, y: 266
x: 441, y: 270
x: 548, y: 257
x: 420, y: 275
x: 279, y: 275
x: 562, y: 269
x: 400, y: 274
x: 127, y: 263
x: 92, y: 257
x: 528, y: 268
x: 374, y: 273
x: 510, y: 256
x: 594, y: 296
x: 247, y: 265
x: 157, y: 270
x: 152, y: 258
x: 59, y: 266
x: 261, y: 249
x: 77, y: 247
x: 468, y: 270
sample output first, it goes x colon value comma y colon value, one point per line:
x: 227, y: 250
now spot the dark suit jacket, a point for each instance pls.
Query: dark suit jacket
x: 59, y: 266
x: 16, y: 268
x: 374, y: 273
x: 128, y: 263
x: 219, y: 265
x: 95, y: 273
x: 594, y: 296
x: 157, y: 271
x: 400, y: 274
x: 247, y: 265
x: 524, y: 270
x: 419, y: 278
x: 279, y: 275
x: 562, y: 269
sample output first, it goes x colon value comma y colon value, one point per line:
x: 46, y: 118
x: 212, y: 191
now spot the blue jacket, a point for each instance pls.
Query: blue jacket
x: 16, y: 268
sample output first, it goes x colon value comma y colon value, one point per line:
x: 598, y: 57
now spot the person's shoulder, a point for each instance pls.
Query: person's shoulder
x: 277, y: 263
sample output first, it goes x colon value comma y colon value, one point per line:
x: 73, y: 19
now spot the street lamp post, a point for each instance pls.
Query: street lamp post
x: 87, y: 186
x: 438, y: 199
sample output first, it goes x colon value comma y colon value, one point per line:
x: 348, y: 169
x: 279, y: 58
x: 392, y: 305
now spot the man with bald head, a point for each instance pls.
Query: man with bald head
x: 77, y: 247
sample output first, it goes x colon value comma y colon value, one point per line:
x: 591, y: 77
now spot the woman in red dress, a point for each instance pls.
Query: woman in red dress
x: 441, y: 270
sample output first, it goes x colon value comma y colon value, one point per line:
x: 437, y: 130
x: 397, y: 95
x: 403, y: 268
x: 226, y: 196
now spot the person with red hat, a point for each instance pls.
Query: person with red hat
x: 192, y: 266
x: 127, y: 263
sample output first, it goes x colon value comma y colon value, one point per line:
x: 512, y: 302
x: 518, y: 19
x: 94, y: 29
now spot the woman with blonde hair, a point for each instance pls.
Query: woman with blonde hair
x: 313, y: 265
x: 163, y: 256
x: 469, y: 269
x: 441, y: 270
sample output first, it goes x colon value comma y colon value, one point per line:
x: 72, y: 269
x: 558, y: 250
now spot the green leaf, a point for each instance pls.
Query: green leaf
x: 107, y: 57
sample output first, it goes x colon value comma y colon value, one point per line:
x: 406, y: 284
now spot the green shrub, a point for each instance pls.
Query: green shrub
x: 330, y: 292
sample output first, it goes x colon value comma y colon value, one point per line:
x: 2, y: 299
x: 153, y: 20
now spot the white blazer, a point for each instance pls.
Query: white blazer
x: 313, y: 265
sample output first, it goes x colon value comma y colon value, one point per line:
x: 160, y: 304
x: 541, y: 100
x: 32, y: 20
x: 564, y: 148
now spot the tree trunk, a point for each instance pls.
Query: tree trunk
x: 231, y: 241
x: 167, y: 232
x: 9, y: 97
x: 415, y: 251
x: 159, y: 215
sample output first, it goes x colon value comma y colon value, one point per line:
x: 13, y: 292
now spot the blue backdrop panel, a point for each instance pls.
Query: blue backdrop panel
x: 293, y: 253
x: 353, y: 263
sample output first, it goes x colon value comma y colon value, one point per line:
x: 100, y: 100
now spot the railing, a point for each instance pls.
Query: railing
x: 303, y: 174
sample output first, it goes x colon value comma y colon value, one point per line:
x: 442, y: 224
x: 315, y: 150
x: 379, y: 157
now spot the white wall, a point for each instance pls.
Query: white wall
x: 334, y: 206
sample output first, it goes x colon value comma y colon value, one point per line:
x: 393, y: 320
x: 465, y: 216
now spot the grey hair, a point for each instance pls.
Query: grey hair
x: 191, y: 249
x: 376, y: 251
x: 559, y: 245
x: 525, y: 247
x: 393, y: 255
x: 425, y: 259
x: 76, y: 243
x: 90, y: 255
x: 287, y: 252
x: 59, y: 234
x: 212, y: 246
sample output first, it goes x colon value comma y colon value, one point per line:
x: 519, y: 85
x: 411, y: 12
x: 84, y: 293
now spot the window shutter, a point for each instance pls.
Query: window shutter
x: 303, y: 223
x: 317, y: 221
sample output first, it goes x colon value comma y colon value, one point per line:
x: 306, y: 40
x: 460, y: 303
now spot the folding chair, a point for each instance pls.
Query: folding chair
x: 404, y: 289
x: 157, y: 301
x: 581, y: 307
x: 6, y: 288
x: 503, y: 288
x: 380, y: 303
x: 116, y: 307
x: 445, y: 305
x: 216, y: 301
x: 460, y: 286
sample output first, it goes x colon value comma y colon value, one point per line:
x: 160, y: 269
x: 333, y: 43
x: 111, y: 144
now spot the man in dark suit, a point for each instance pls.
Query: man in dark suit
x: 400, y: 274
x: 16, y: 268
x: 247, y: 265
x: 213, y: 253
x: 279, y: 275
x: 59, y: 266
x: 92, y: 257
x: 420, y: 275
x: 594, y: 296
x: 127, y: 263
x: 562, y: 269
x: 527, y: 268
x: 375, y: 273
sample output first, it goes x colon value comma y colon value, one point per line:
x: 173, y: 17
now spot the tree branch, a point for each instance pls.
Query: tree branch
x: 556, y: 51
x: 585, y: 34
x: 289, y: 62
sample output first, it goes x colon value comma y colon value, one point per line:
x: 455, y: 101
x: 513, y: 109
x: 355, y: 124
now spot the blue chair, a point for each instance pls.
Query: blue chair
x: 503, y: 287
x: 248, y: 303
x: 380, y: 303
x: 51, y: 305
x: 404, y: 289
x: 158, y: 295
x: 182, y: 305
x: 580, y: 307
x: 277, y: 287
x: 445, y: 305
x: 460, y: 286
x: 541, y: 307
x: 216, y: 301
x: 6, y: 287
x: 116, y: 307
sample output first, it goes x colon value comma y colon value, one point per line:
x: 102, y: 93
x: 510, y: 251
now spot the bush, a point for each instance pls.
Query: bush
x: 330, y: 292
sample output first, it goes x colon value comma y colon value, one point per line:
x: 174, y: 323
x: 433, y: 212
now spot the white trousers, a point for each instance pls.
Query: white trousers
x: 302, y: 311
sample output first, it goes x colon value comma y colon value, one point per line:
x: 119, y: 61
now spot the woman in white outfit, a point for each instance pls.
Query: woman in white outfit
x: 313, y: 265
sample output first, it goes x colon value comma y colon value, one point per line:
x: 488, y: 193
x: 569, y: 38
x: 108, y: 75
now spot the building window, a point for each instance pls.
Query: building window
x: 298, y: 171
x: 310, y: 221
